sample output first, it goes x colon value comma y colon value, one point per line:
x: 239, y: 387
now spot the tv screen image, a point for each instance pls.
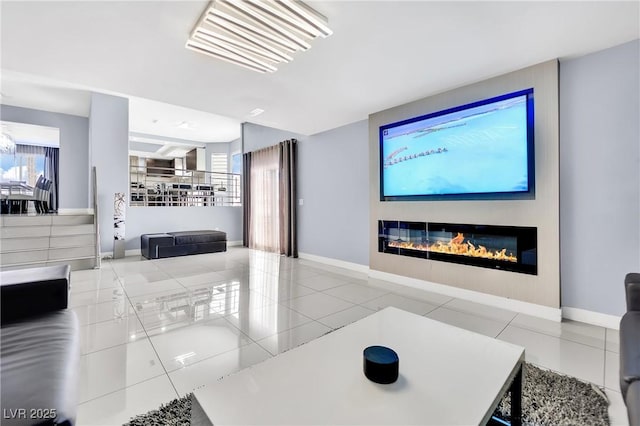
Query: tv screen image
x: 481, y: 150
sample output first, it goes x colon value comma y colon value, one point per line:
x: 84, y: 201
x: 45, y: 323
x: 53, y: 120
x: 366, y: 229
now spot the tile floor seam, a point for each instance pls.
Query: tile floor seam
x: 415, y: 299
x: 333, y: 313
x: 277, y: 332
x: 293, y: 328
x: 265, y: 349
x: 121, y: 389
x: 557, y: 337
x: 432, y: 310
x: 409, y: 298
x: 210, y: 357
x: 289, y: 307
x: 72, y: 291
x: 239, y: 330
x: 604, y: 369
x: 515, y: 314
x: 349, y: 301
x: 144, y: 328
x: 604, y: 362
x: 99, y: 322
x: 337, y: 312
x: 505, y: 327
x: 109, y: 347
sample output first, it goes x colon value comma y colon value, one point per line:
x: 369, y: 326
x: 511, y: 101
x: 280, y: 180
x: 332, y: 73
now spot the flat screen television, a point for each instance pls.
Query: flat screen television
x: 483, y: 150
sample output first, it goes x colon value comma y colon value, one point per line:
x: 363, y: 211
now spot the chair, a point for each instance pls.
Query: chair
x: 40, y: 198
x: 630, y: 349
x: 4, y: 200
x: 18, y: 199
x: 43, y: 196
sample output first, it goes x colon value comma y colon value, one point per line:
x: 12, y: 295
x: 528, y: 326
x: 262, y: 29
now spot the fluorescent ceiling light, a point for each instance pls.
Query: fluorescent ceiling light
x: 207, y: 50
x: 256, y: 34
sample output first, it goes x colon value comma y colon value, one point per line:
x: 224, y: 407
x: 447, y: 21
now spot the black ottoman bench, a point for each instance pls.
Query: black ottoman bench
x: 156, y: 246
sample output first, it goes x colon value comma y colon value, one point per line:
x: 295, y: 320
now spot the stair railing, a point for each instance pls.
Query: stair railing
x: 96, y: 222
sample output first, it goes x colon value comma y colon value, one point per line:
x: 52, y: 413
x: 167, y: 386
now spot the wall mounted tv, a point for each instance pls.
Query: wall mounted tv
x: 479, y: 151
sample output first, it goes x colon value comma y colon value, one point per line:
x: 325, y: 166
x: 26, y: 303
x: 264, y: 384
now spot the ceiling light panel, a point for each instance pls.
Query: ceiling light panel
x: 257, y: 34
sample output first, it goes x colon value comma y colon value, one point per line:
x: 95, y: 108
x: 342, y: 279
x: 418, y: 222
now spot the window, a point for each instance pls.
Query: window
x: 219, y: 163
x: 236, y: 163
x: 226, y: 185
x: 25, y: 167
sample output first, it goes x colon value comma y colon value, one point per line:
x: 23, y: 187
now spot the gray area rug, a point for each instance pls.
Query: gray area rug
x: 548, y: 399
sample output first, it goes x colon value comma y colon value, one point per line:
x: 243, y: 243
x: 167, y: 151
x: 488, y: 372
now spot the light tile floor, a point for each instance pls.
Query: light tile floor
x: 153, y: 330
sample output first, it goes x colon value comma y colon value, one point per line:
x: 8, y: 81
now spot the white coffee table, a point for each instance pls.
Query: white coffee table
x: 448, y: 376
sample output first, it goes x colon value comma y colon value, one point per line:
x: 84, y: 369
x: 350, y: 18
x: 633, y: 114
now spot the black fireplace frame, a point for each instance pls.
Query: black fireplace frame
x: 526, y: 239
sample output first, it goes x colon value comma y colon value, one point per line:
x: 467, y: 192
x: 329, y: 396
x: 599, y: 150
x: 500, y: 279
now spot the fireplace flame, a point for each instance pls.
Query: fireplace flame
x: 459, y: 247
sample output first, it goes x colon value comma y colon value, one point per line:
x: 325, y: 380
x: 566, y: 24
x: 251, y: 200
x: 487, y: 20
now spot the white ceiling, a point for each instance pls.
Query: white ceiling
x: 382, y: 53
x: 35, y: 92
x: 145, y: 116
x: 158, y: 118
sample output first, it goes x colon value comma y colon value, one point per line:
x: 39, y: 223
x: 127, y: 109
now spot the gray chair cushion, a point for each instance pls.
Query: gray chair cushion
x: 39, y: 367
x: 632, y: 290
x: 633, y: 403
x: 629, y: 350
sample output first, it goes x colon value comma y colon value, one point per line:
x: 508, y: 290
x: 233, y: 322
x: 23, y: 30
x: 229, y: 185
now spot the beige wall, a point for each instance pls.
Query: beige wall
x: 542, y: 212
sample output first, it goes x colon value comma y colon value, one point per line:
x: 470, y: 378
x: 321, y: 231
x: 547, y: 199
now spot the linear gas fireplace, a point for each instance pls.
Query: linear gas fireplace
x: 510, y: 248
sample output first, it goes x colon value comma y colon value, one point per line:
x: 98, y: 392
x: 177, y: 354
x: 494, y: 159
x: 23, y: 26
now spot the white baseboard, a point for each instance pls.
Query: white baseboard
x: 527, y: 308
x: 590, y: 317
x: 234, y: 243
x: 75, y: 211
x: 335, y: 262
x: 132, y: 252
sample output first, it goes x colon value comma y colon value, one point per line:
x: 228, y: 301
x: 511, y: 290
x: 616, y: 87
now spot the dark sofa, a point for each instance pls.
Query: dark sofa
x: 630, y: 349
x: 156, y: 246
x: 40, y: 347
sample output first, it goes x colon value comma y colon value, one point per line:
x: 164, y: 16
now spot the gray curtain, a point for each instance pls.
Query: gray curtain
x: 288, y: 210
x: 30, y: 149
x: 246, y: 197
x: 51, y: 167
x: 286, y: 240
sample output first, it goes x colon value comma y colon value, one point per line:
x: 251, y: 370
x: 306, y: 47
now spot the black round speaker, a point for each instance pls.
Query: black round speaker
x: 381, y: 364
